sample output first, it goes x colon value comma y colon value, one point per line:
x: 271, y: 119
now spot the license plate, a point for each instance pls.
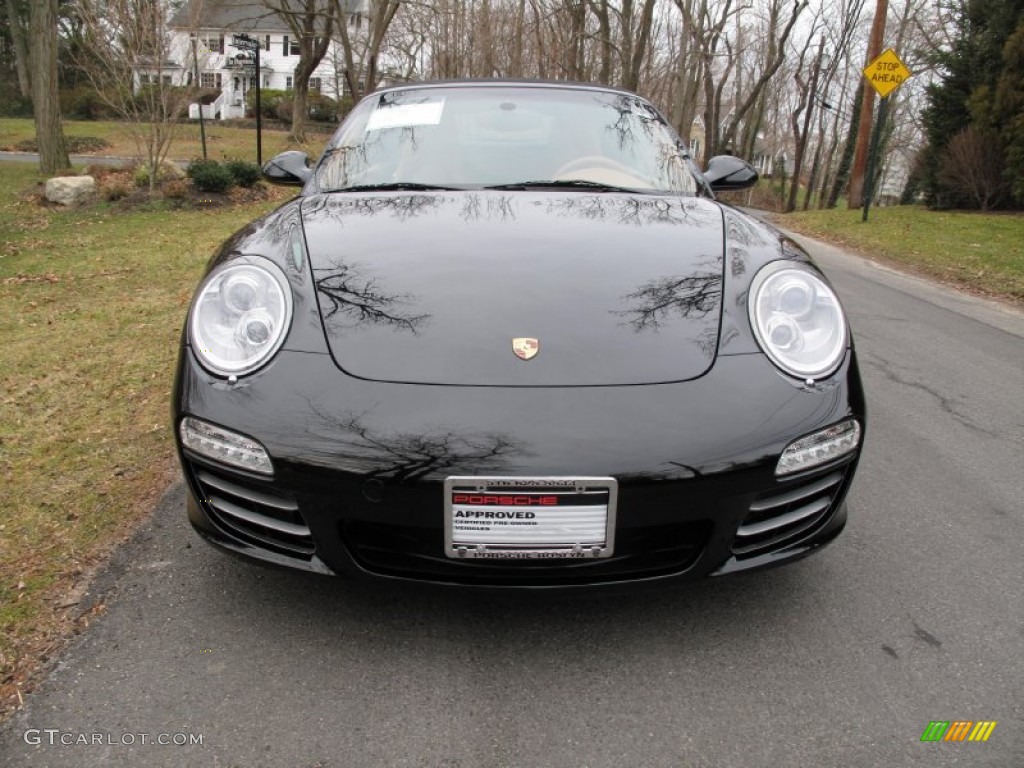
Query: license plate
x: 529, y: 518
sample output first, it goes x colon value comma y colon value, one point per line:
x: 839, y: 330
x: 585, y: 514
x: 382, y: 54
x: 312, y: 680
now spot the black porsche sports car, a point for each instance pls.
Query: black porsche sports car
x: 506, y: 336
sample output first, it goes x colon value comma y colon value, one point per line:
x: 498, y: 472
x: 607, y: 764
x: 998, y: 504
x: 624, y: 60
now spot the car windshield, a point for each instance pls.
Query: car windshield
x: 473, y: 137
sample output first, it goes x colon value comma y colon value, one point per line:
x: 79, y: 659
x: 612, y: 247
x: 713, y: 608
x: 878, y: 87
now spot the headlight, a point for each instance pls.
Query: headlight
x: 797, y: 320
x: 240, y: 317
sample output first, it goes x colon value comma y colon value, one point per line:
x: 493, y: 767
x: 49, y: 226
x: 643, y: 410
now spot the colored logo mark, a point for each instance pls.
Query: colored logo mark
x: 958, y: 730
x: 525, y: 348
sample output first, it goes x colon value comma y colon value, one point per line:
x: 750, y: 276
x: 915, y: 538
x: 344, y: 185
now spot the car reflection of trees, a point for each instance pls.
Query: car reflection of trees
x: 741, y: 236
x: 490, y: 207
x: 377, y: 150
x: 406, y: 457
x: 685, y: 296
x: 630, y: 209
x: 630, y: 113
x: 266, y: 236
x: 402, y: 207
x: 348, y: 299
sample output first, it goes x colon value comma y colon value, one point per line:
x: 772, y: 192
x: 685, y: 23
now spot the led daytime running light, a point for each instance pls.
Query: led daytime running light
x: 820, y: 447
x: 224, y: 446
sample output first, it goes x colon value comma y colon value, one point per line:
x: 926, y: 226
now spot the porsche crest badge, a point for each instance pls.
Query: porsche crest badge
x: 525, y: 348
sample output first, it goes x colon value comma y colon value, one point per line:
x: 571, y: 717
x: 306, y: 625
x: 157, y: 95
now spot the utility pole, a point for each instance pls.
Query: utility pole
x: 860, y: 157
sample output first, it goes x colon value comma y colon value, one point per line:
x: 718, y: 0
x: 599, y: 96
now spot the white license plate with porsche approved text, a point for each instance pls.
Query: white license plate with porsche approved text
x: 529, y: 518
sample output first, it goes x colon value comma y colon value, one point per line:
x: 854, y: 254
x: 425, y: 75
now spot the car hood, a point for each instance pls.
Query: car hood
x: 434, y: 288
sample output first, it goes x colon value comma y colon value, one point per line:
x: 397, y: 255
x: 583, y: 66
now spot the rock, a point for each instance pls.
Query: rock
x: 167, y: 171
x: 69, y: 190
x: 170, y: 170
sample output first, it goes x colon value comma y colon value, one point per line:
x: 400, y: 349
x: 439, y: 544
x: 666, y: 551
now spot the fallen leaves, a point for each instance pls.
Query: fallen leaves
x: 21, y: 278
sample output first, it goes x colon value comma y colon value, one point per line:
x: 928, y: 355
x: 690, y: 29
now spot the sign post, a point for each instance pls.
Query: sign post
x: 252, y: 45
x: 199, y: 90
x: 885, y: 74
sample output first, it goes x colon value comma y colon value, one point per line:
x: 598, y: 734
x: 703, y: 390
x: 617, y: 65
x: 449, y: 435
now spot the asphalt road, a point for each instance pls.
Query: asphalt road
x: 915, y: 614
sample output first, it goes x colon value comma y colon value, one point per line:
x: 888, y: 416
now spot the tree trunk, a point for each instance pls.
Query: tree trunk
x: 801, y: 137
x: 812, y: 179
x: 300, y: 107
x: 16, y: 25
x: 604, y: 33
x: 53, y: 153
x: 631, y: 77
x: 843, y: 172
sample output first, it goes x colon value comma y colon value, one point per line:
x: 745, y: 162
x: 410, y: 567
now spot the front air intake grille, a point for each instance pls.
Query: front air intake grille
x: 417, y: 553
x: 785, y: 517
x: 249, y: 511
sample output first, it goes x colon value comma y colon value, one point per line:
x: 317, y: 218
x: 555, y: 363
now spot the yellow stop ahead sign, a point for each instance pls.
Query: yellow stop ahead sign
x: 886, y: 73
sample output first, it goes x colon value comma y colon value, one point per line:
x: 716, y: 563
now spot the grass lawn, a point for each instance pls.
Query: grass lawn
x: 91, y: 308
x: 222, y: 142
x: 982, y: 252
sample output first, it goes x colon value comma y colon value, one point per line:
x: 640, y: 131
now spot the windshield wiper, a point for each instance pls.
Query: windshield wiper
x: 393, y: 186
x: 563, y: 184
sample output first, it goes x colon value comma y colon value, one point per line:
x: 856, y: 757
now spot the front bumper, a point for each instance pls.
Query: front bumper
x: 359, y: 469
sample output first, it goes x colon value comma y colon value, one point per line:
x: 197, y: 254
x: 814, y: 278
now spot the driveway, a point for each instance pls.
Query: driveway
x: 915, y: 614
x: 32, y: 157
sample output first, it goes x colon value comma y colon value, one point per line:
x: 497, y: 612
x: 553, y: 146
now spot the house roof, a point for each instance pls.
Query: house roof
x: 243, y: 15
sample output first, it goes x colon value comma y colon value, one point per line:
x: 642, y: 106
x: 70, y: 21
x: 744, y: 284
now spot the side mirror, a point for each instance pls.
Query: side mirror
x: 726, y: 172
x: 290, y: 167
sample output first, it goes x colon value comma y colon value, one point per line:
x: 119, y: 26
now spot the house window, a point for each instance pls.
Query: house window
x: 266, y: 42
x: 206, y: 79
x: 166, y: 79
x: 211, y: 43
x: 252, y: 83
x: 143, y: 79
x: 289, y: 48
x: 288, y: 83
x: 266, y: 81
x: 316, y: 84
x: 345, y: 90
x: 355, y: 20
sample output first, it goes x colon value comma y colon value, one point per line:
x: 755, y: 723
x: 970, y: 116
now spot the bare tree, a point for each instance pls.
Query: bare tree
x: 53, y: 152
x: 312, y: 22
x: 362, y: 54
x: 774, y: 56
x: 806, y: 86
x: 836, y: 23
x: 126, y: 57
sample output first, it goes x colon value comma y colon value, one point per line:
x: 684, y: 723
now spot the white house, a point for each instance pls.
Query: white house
x: 201, y: 38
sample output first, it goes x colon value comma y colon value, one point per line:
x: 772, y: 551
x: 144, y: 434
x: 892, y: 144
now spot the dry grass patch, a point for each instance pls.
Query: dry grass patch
x: 92, y: 303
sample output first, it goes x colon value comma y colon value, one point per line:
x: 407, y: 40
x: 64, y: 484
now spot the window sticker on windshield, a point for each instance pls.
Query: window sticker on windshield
x: 405, y: 115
